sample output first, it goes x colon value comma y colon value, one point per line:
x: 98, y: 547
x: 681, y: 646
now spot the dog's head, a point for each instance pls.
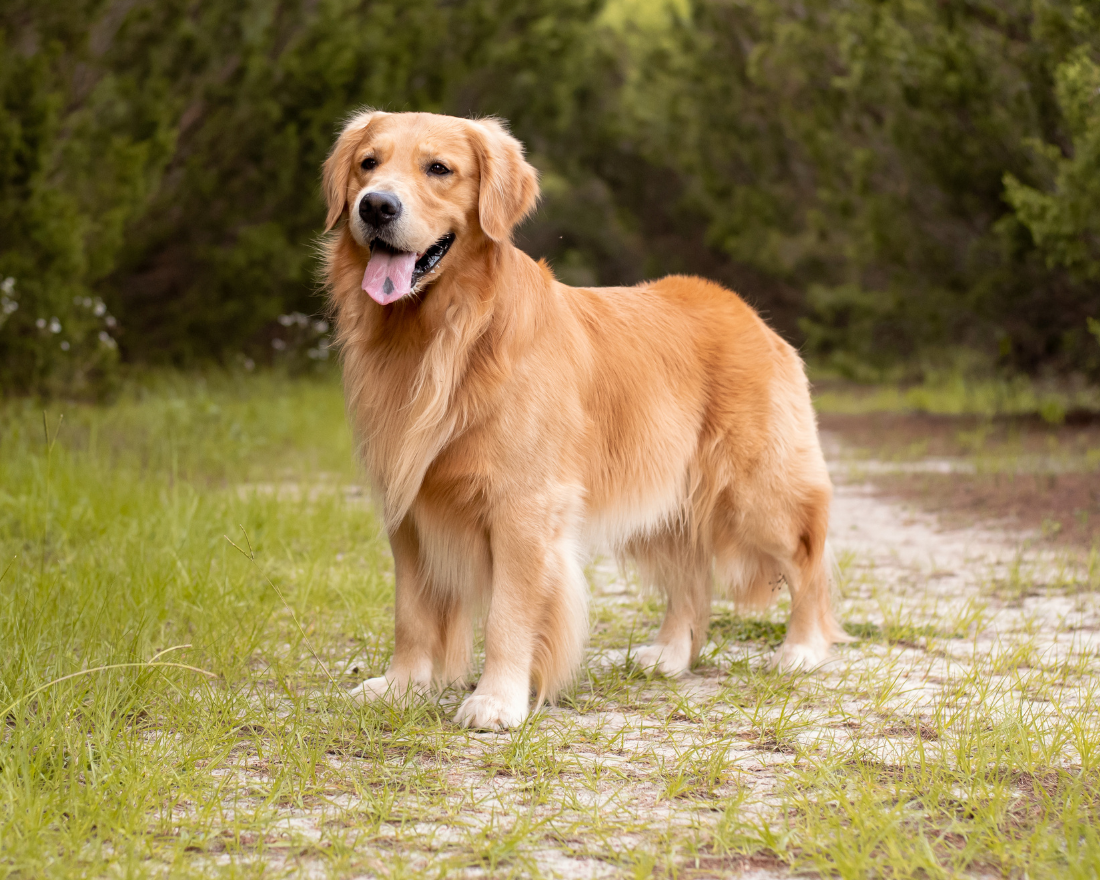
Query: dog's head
x: 413, y: 185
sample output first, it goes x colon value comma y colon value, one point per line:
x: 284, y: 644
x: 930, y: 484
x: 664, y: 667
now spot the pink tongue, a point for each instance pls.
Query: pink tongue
x: 388, y: 276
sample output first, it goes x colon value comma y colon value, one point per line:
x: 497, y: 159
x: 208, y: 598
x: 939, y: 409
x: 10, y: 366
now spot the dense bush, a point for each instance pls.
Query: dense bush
x: 885, y: 180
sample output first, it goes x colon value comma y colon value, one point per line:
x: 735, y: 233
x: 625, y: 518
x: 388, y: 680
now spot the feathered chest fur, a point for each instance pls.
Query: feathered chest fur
x: 408, y: 395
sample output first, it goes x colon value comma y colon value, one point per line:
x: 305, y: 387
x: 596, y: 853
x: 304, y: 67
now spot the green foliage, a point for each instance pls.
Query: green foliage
x: 859, y: 152
x: 1064, y: 219
x: 882, y: 179
x: 79, y: 154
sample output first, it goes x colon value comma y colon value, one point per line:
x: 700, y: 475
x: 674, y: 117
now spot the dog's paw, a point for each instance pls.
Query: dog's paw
x: 486, y: 712
x: 795, y: 657
x: 669, y: 660
x: 382, y: 688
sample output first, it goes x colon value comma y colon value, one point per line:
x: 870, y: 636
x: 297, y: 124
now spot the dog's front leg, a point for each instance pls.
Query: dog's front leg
x: 520, y: 582
x: 416, y: 631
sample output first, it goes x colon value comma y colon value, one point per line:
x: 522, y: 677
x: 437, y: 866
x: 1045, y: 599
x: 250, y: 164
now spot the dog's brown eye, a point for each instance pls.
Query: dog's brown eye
x: 369, y: 163
x: 438, y: 168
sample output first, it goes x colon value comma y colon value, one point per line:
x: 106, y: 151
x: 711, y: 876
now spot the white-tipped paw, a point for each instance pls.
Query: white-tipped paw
x: 794, y: 657
x: 486, y: 712
x: 382, y: 688
x: 670, y: 660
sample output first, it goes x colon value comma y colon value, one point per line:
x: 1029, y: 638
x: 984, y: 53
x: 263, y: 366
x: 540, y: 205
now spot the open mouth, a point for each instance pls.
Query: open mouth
x: 428, y: 260
x: 392, y: 274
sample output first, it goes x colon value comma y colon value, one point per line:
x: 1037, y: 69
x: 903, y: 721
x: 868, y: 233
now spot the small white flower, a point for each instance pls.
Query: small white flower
x: 7, y: 285
x: 249, y: 364
x: 278, y: 344
x: 7, y: 306
x: 100, y: 309
x: 107, y: 339
x: 320, y: 326
x: 65, y: 345
x: 286, y: 320
x: 40, y: 323
x: 110, y: 321
x: 55, y: 325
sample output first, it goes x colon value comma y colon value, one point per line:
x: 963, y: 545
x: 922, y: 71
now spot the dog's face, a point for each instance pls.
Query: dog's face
x: 418, y: 189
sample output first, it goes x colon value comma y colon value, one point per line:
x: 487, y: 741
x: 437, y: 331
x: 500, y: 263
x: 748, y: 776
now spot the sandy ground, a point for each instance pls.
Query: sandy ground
x: 596, y: 798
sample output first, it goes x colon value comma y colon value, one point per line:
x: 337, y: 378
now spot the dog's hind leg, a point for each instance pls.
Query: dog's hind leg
x: 673, y: 563
x: 812, y: 628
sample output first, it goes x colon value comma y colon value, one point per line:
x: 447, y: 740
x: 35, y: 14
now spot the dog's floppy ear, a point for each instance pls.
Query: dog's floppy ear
x: 509, y: 184
x: 338, y: 164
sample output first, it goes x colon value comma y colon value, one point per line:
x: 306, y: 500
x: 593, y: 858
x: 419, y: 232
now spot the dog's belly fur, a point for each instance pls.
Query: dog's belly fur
x: 453, y: 518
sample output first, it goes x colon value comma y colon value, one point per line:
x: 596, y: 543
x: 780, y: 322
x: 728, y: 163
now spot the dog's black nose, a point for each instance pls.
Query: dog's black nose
x: 379, y: 208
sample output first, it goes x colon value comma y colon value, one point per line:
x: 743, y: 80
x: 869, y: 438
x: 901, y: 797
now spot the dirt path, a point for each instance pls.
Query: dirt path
x: 626, y: 775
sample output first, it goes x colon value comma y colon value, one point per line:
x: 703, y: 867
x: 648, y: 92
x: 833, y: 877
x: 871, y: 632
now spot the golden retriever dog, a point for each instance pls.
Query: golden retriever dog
x: 510, y: 423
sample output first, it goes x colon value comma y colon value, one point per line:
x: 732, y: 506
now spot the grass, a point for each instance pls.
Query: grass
x: 956, y: 394
x: 173, y: 706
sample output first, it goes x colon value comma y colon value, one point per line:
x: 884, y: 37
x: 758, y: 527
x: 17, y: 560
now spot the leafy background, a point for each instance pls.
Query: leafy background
x: 901, y: 186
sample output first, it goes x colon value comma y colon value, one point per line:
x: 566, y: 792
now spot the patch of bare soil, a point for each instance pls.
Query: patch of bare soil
x: 1060, y: 508
x: 1030, y: 477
